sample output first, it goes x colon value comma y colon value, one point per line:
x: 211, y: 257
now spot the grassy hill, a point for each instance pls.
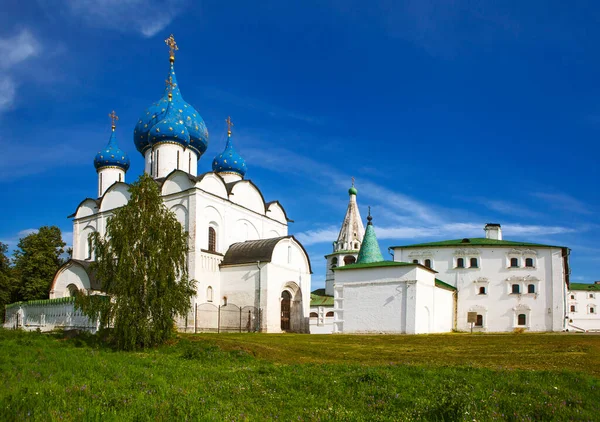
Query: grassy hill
x: 302, y: 377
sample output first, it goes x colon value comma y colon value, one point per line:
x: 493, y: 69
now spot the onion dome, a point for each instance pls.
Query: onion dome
x: 170, y: 129
x: 229, y: 161
x: 181, y: 111
x: 112, y: 155
x: 369, y: 250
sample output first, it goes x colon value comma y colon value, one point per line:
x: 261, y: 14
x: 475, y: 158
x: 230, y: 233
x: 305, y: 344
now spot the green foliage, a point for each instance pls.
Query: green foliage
x: 48, y: 377
x: 141, y: 264
x: 8, y: 281
x: 36, y: 260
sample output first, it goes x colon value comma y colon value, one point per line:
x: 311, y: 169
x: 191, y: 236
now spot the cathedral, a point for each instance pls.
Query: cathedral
x: 240, y: 252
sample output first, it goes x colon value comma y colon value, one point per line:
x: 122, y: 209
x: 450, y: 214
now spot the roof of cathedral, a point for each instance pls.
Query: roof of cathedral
x: 352, y: 229
x: 183, y: 113
x: 169, y: 129
x: 584, y: 286
x: 369, y: 250
x: 112, y: 155
x: 477, y: 241
x: 253, y: 251
x: 229, y: 160
x: 319, y: 298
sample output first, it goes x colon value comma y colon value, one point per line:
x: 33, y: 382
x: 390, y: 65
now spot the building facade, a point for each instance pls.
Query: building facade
x: 240, y: 251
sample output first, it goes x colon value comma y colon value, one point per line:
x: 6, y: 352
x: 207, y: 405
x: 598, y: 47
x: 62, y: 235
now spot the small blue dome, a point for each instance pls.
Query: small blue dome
x: 229, y: 161
x: 112, y: 155
x: 169, y: 129
x: 182, y: 111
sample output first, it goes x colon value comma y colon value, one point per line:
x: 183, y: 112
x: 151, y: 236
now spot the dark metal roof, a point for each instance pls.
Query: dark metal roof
x: 94, y: 282
x: 253, y: 251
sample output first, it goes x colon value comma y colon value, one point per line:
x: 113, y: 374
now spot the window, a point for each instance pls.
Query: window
x: 89, y: 247
x: 514, y: 262
x: 209, y: 294
x: 482, y: 290
x: 479, y: 322
x: 522, y: 319
x: 592, y: 310
x: 224, y: 300
x: 329, y: 314
x: 120, y: 177
x: 100, y: 193
x: 572, y: 296
x: 516, y: 289
x: 212, y: 239
x: 460, y: 263
x: 428, y: 263
x: 349, y: 259
x: 356, y: 245
x: 474, y: 263
x: 334, y: 262
x: 529, y: 262
x: 314, y: 315
x: 177, y: 160
x: 591, y: 296
x: 190, y: 162
x: 572, y: 308
x: 156, y: 172
x: 531, y: 288
x: 415, y: 261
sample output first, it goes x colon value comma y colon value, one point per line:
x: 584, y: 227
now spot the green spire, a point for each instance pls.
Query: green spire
x: 352, y: 190
x: 369, y: 250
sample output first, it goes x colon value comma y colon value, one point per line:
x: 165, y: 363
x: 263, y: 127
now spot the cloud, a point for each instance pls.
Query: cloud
x: 14, y: 50
x: 147, y: 17
x: 26, y: 232
x: 564, y: 202
x: 508, y: 208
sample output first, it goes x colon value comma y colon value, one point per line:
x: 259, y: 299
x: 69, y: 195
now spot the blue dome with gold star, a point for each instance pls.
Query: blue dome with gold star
x: 229, y: 161
x: 170, y: 129
x: 112, y: 155
x: 180, y: 111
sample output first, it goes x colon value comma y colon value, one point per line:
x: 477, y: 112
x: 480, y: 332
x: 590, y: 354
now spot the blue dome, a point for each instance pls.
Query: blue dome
x: 182, y: 111
x: 169, y: 129
x: 229, y: 160
x: 112, y: 155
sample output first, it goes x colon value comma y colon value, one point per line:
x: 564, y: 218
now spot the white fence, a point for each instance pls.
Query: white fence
x: 47, y: 315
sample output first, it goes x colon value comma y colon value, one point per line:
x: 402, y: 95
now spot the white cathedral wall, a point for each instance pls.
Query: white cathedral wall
x: 107, y: 177
x: 582, y: 318
x: 499, y: 306
x: 75, y: 275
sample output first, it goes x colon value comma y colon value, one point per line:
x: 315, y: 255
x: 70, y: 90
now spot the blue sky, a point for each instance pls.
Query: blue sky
x: 448, y: 114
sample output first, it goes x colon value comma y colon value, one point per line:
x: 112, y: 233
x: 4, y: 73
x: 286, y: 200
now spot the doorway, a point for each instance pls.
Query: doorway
x: 286, y: 300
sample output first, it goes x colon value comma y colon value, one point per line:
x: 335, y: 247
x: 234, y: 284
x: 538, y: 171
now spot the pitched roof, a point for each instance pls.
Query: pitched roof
x: 319, y: 298
x: 584, y: 286
x: 439, y: 283
x: 476, y: 241
x: 378, y: 264
x: 253, y: 251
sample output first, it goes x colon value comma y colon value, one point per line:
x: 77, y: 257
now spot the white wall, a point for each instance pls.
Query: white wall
x: 72, y: 274
x: 499, y: 306
x: 582, y: 318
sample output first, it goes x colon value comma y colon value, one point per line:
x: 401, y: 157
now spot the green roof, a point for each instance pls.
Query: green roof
x: 369, y: 249
x: 375, y: 265
x: 477, y: 241
x: 584, y: 286
x: 439, y: 283
x: 319, y: 298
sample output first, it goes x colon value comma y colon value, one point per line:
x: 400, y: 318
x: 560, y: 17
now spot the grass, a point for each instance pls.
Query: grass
x: 302, y: 377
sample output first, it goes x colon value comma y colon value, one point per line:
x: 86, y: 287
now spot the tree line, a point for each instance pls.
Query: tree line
x: 29, y: 273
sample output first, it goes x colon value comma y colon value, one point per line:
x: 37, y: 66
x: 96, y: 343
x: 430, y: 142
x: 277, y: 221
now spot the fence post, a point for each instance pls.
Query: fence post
x: 219, y: 321
x: 195, y: 318
x: 240, y: 320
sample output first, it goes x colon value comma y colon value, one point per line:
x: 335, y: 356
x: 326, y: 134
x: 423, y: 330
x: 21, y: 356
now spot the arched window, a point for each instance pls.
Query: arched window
x: 428, y: 263
x: 572, y: 308
x: 460, y: 263
x: 224, y: 300
x: 209, y: 294
x: 314, y: 315
x: 349, y: 259
x: 120, y: 177
x: 329, y: 314
x: 474, y: 263
x: 212, y: 239
x: 415, y: 261
x: 89, y: 247
x: 592, y: 310
x: 356, y: 245
x: 482, y: 290
x: 516, y: 289
x: 479, y: 322
x: 522, y: 319
x: 514, y: 262
x: 72, y: 290
x: 100, y: 193
x: 156, y: 172
x: 190, y: 162
x: 334, y: 262
x: 531, y: 288
x: 529, y: 262
x: 177, y: 160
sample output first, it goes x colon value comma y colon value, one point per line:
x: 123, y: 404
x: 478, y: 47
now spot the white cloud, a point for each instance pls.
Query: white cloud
x: 18, y: 48
x: 8, y: 91
x: 26, y: 232
x: 147, y: 17
x: 564, y: 202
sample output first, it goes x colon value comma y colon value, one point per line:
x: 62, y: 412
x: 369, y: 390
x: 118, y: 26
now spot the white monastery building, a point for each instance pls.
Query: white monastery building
x: 240, y: 250
x: 486, y: 284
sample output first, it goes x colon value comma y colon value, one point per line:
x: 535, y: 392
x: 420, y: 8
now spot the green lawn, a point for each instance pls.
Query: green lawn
x: 302, y: 377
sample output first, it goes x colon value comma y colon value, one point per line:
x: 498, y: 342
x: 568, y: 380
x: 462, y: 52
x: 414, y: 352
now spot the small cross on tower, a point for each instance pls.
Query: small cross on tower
x: 229, y: 125
x: 172, y: 47
x: 113, y: 119
x: 170, y: 85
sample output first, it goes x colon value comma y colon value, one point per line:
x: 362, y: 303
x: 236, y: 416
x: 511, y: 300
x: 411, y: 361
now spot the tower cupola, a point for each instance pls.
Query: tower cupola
x: 229, y: 164
x: 111, y: 163
x: 369, y: 250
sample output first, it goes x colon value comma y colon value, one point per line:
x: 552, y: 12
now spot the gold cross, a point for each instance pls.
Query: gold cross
x: 172, y: 47
x: 113, y: 118
x: 170, y: 85
x: 229, y: 125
